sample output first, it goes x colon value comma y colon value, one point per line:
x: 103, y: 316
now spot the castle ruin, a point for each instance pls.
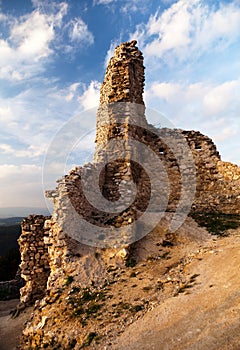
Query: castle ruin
x: 56, y: 246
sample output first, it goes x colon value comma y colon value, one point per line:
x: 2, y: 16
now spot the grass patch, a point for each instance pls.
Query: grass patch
x: 193, y: 277
x: 147, y: 288
x: 184, y: 287
x: 216, y: 223
x: 87, y: 303
x: 68, y: 280
x: 75, y: 290
x: 123, y: 307
x: 133, y: 274
x: 130, y: 262
x: 137, y: 308
x: 93, y: 309
x: 90, y: 337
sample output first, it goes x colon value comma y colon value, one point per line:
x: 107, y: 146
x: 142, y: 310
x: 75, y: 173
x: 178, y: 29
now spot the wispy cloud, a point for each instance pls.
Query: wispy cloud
x: 30, y: 127
x: 212, y: 109
x: 90, y: 97
x: 189, y: 28
x: 103, y: 2
x: 110, y: 51
x: 24, y: 51
x: 135, y: 6
x: 125, y: 6
x: 79, y: 32
x: 21, y: 185
x: 29, y: 130
x: 34, y: 38
x: 29, y: 152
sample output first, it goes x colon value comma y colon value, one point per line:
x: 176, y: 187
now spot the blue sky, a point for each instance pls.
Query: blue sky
x: 53, y: 57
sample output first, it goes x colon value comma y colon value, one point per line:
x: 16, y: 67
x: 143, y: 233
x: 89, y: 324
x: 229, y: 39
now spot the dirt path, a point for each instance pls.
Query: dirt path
x: 10, y: 329
x: 207, y: 317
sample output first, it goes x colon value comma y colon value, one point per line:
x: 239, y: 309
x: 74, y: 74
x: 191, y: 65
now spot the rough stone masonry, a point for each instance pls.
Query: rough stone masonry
x: 48, y: 248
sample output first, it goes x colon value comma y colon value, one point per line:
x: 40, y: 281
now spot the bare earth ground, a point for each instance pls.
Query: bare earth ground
x: 190, y: 292
x: 206, y: 317
x: 10, y: 329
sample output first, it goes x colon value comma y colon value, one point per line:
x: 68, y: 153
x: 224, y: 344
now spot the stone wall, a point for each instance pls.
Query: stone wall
x: 218, y: 189
x: 124, y: 78
x: 34, y: 258
x: 121, y: 96
x: 121, y: 117
x: 11, y: 289
x: 51, y: 249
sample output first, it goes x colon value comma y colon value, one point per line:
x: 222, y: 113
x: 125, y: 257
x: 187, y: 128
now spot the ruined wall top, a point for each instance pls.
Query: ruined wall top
x: 124, y: 78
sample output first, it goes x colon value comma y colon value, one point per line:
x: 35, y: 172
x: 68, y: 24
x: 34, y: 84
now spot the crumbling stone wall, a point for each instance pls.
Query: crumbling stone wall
x: 11, y: 289
x: 215, y: 191
x: 54, y: 243
x: 218, y: 189
x: 34, y: 258
x: 124, y: 78
x: 121, y: 118
x: 123, y: 84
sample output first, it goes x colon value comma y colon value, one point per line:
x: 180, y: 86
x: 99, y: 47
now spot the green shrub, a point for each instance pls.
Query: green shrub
x: 130, y: 262
x: 217, y: 223
x: 69, y: 280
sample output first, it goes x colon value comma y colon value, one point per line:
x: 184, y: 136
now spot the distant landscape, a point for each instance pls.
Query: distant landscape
x: 14, y: 212
x: 10, y: 231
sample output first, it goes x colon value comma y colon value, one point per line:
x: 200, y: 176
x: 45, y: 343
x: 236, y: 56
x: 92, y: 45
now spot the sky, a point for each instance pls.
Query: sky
x: 53, y: 55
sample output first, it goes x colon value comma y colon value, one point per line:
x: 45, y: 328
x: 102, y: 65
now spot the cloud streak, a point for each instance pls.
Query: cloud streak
x: 34, y: 38
x: 189, y: 28
x: 21, y: 183
x: 79, y: 33
x: 213, y: 109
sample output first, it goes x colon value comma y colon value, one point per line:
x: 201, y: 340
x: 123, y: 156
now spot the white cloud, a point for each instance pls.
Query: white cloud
x: 213, y: 109
x: 5, y: 113
x: 21, y: 185
x: 31, y: 38
x: 30, y: 119
x: 205, y: 99
x: 110, y: 51
x: 29, y: 42
x: 34, y: 38
x: 29, y: 152
x: 72, y: 91
x: 128, y: 7
x: 135, y: 6
x: 103, y: 2
x: 68, y: 93
x: 189, y: 28
x: 222, y: 99
x: 29, y: 122
x: 90, y: 97
x: 22, y: 54
x: 37, y: 3
x: 192, y: 46
x: 11, y: 170
x: 3, y: 18
x: 79, y: 32
x: 52, y: 9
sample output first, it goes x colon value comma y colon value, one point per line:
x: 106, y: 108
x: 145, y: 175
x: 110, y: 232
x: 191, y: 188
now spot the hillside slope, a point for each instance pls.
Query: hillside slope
x: 203, y: 317
x: 178, y: 291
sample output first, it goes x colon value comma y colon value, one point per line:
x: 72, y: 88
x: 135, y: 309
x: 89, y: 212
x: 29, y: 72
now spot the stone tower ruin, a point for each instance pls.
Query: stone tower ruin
x: 125, y: 176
